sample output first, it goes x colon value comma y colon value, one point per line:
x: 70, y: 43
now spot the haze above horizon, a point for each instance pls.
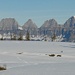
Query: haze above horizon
x: 37, y: 10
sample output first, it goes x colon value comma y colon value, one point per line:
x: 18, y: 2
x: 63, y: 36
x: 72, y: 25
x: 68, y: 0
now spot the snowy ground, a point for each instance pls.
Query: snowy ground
x: 32, y: 58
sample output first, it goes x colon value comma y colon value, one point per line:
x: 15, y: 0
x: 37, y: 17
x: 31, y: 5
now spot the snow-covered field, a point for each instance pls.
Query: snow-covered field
x: 32, y: 58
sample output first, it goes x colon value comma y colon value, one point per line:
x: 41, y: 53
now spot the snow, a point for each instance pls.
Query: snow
x: 32, y: 58
x: 74, y: 16
x: 20, y: 28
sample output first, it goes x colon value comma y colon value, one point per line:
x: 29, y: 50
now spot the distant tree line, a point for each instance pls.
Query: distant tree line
x: 18, y: 37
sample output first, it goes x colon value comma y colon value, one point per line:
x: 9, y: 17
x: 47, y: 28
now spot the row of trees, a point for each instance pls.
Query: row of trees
x: 20, y: 37
x: 27, y: 37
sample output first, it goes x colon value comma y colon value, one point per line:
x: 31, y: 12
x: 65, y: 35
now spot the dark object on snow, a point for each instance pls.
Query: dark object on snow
x: 2, y: 68
x: 58, y: 55
x: 20, y: 53
x: 61, y: 51
x: 52, y: 55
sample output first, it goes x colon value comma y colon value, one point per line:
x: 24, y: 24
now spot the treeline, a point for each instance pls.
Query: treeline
x: 17, y: 37
x: 27, y: 37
